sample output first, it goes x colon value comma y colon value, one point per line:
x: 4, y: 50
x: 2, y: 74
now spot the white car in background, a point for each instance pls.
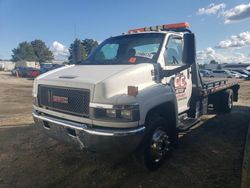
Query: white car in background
x: 243, y: 72
x: 238, y: 75
x: 222, y: 73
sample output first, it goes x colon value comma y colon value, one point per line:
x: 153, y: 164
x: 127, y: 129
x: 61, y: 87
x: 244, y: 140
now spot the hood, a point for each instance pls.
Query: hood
x: 79, y: 76
x: 90, y: 74
x: 107, y: 83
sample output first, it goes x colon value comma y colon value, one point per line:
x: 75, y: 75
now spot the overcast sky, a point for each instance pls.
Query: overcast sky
x: 222, y: 28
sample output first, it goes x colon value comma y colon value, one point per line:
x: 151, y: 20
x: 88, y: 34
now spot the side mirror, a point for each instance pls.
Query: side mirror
x: 188, y: 55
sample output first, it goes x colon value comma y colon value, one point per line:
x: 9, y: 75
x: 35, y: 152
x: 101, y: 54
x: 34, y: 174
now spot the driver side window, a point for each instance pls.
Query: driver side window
x: 173, y: 51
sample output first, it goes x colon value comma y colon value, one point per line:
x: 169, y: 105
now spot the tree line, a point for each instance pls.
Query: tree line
x: 32, y: 51
x: 80, y: 49
x: 38, y: 51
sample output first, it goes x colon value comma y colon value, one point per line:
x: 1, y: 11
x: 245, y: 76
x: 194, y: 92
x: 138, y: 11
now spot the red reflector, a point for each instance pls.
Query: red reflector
x: 132, y: 60
x: 132, y: 91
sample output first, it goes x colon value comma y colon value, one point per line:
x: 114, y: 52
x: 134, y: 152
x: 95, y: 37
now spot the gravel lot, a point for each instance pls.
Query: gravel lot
x: 210, y: 155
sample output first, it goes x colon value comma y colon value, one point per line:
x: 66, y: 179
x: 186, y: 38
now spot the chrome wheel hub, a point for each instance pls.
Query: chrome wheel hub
x: 159, y: 144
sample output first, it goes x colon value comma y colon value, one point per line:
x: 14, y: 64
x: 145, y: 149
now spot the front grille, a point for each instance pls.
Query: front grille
x: 63, y: 99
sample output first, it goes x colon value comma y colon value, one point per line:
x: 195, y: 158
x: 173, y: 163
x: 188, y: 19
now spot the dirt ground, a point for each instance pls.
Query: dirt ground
x: 210, y: 155
x: 15, y: 100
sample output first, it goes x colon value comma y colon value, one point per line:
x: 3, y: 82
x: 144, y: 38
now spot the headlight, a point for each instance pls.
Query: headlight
x: 126, y: 114
x: 117, y: 113
x: 111, y: 113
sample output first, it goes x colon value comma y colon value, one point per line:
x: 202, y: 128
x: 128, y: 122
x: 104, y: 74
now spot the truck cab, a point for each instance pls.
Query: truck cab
x: 132, y: 95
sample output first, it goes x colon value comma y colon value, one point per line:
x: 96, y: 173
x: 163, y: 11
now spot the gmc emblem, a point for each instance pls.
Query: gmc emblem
x: 59, y: 99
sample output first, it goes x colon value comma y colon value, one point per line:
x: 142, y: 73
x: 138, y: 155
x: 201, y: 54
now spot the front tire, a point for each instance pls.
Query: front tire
x: 158, y: 142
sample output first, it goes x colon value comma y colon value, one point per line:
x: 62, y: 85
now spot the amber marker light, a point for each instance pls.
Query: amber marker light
x: 132, y: 91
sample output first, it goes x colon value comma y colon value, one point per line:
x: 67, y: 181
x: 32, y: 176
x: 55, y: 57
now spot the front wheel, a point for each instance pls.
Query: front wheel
x: 158, y: 142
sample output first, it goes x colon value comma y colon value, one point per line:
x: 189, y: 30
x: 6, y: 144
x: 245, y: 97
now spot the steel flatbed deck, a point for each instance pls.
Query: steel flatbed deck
x: 214, y: 85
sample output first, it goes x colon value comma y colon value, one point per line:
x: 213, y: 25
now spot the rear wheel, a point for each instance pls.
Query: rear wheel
x: 225, y: 102
x: 158, y: 142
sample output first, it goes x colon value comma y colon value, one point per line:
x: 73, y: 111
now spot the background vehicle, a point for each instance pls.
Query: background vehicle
x: 206, y: 73
x: 22, y: 71
x: 55, y: 66
x: 32, y: 72
x: 222, y: 73
x: 244, y: 72
x: 238, y: 75
x: 45, y: 67
x: 25, y: 72
x: 133, y: 94
x: 236, y: 65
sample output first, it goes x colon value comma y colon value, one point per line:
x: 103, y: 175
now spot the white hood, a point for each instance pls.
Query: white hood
x: 90, y: 74
x: 106, y: 82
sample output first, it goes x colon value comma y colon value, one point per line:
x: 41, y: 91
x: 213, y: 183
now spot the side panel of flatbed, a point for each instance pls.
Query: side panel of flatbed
x: 215, y: 85
x: 211, y: 91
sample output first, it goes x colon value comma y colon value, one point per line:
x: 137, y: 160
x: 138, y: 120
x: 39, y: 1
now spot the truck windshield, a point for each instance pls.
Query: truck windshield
x: 127, y: 49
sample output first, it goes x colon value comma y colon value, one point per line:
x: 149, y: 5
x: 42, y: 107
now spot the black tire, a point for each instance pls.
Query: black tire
x: 225, y: 102
x: 158, y: 135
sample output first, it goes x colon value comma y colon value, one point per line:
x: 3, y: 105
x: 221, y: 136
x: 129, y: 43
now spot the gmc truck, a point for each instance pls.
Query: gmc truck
x: 133, y: 94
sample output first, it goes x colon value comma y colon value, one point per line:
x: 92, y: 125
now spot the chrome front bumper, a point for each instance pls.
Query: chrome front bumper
x: 87, y: 137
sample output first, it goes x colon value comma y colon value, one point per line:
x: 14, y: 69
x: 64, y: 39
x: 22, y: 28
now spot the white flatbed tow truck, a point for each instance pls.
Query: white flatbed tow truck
x: 133, y: 94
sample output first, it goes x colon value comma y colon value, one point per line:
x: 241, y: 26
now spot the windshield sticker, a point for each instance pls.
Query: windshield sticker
x: 144, y: 54
x: 132, y: 60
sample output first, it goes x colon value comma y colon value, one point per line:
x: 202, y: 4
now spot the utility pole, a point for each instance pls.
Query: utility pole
x: 75, y: 31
